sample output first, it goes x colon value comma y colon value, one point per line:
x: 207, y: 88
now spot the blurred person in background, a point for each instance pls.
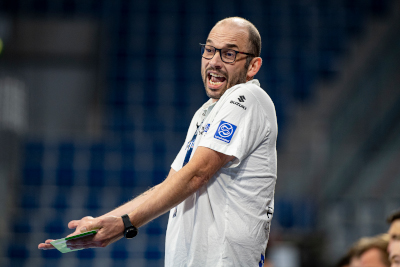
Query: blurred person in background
x: 370, y: 252
x: 345, y: 260
x: 394, y: 229
x: 394, y: 235
x: 220, y: 188
x: 268, y: 263
x: 394, y: 253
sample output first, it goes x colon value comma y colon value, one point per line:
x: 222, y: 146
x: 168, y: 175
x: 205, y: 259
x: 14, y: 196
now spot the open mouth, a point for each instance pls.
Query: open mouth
x: 215, y: 80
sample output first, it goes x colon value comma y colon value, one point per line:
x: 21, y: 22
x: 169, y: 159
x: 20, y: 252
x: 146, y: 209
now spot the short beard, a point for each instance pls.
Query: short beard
x: 240, y: 78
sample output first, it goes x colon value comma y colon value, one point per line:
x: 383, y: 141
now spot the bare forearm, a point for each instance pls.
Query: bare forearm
x: 179, y: 186
x: 169, y: 194
x: 134, y: 203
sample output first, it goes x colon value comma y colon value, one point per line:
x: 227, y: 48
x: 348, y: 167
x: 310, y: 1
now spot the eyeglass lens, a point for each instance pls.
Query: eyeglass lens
x: 227, y: 55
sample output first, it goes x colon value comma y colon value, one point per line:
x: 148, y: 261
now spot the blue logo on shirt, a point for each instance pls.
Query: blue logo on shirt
x: 261, y: 263
x: 225, y: 131
x: 207, y: 127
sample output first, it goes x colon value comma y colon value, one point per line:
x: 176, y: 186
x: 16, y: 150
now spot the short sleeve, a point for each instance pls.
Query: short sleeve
x: 239, y: 127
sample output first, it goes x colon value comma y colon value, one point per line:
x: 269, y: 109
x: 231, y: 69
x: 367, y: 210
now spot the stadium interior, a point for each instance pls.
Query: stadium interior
x: 96, y: 98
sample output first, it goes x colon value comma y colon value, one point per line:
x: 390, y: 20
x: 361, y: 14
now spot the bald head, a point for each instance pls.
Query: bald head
x: 254, y: 38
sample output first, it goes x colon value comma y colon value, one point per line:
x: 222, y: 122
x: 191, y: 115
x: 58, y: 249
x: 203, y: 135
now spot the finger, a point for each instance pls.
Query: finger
x: 73, y: 224
x: 77, y: 232
x: 45, y: 246
x: 81, y: 240
x: 91, y: 225
x: 90, y: 244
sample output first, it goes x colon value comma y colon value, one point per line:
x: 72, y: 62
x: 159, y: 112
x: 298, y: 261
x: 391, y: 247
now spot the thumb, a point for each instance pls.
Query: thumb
x: 93, y: 225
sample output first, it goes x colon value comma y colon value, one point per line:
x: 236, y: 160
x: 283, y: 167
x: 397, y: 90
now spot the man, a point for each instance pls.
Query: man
x: 370, y: 252
x: 345, y: 260
x: 394, y: 229
x: 394, y: 253
x: 394, y: 234
x: 220, y: 188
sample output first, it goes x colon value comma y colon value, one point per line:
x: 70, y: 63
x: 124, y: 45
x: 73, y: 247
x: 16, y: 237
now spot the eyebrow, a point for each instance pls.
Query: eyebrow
x: 226, y: 45
x: 394, y: 257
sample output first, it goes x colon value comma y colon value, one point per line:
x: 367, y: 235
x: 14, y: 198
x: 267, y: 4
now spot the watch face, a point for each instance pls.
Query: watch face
x: 130, y: 232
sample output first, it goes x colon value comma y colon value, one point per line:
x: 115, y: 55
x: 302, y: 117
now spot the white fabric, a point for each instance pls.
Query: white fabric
x: 227, y: 221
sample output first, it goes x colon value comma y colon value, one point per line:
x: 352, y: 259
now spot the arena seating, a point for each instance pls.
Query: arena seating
x: 153, y: 88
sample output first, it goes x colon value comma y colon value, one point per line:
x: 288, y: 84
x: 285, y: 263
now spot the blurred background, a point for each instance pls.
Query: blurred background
x: 96, y: 98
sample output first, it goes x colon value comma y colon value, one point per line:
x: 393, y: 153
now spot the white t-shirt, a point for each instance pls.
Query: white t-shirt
x: 226, y: 222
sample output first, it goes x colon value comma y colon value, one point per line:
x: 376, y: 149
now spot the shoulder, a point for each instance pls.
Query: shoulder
x: 251, y: 93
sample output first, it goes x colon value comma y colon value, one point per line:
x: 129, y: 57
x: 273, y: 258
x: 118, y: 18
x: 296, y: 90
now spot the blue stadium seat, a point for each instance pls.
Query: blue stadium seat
x: 96, y: 177
x: 154, y: 229
x: 65, y: 176
x: 29, y: 201
x: 167, y: 46
x: 153, y: 253
x: 85, y: 254
x: 127, y: 177
x: 284, y: 213
x: 66, y: 153
x: 34, y: 153
x: 159, y: 175
x: 51, y: 254
x: 21, y: 225
x: 165, y: 69
x: 182, y: 120
x: 83, y: 262
x: 18, y: 251
x: 55, y: 227
x: 152, y: 122
x: 93, y: 203
x: 137, y: 68
x: 119, y: 251
x: 159, y: 149
x: 32, y: 176
x: 61, y: 201
x: 117, y: 96
x: 116, y: 120
x: 305, y: 214
x: 97, y: 151
x: 128, y: 151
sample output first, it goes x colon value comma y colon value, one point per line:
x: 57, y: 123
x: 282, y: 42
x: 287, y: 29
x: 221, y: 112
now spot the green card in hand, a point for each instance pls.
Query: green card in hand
x: 61, y: 244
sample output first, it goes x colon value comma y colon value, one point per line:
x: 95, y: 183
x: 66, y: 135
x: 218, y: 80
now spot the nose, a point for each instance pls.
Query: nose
x: 216, y: 61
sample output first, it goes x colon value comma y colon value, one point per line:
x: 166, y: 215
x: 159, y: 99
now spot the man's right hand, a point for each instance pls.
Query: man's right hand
x: 80, y: 226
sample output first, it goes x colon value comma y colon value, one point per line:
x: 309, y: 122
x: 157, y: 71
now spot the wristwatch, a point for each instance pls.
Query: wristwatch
x: 130, y: 230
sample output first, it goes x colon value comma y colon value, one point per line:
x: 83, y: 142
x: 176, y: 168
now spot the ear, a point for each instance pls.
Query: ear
x: 254, y: 67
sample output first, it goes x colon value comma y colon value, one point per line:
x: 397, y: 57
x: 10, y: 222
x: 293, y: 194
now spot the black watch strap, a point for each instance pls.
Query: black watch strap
x: 126, y: 220
x: 130, y: 230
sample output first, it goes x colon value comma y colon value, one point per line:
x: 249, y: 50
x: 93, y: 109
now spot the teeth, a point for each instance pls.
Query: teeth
x: 215, y: 75
x: 214, y: 83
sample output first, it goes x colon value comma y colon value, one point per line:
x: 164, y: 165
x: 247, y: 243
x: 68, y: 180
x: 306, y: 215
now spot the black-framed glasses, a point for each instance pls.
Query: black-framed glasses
x: 227, y: 55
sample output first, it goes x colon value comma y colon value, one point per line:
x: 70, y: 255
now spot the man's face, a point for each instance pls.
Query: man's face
x: 217, y: 75
x: 394, y: 253
x: 355, y: 262
x: 372, y: 258
x: 394, y: 230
